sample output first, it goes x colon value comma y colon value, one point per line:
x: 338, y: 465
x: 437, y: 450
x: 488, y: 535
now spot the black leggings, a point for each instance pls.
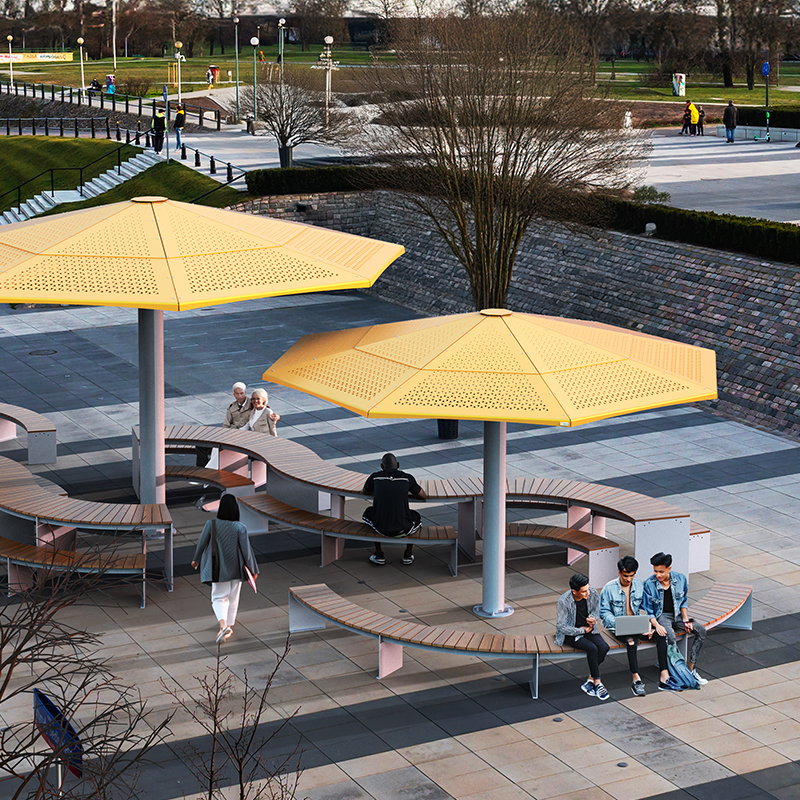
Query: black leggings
x: 633, y: 655
x: 595, y: 647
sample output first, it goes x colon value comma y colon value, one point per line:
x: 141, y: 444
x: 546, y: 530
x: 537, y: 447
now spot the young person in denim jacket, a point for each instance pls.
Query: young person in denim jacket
x: 576, y: 626
x: 665, y: 593
x: 620, y: 598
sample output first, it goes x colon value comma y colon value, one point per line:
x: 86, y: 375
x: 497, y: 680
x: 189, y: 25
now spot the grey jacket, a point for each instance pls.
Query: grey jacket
x: 233, y: 547
x: 565, y: 615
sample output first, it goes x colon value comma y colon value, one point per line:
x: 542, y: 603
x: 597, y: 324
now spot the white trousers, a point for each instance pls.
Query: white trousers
x: 225, y: 600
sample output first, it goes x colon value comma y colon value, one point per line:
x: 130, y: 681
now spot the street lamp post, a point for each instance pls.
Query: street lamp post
x: 236, y: 40
x: 178, y: 46
x: 254, y: 42
x: 83, y: 79
x: 114, y: 31
x: 10, y: 39
x: 281, y: 29
x: 327, y: 63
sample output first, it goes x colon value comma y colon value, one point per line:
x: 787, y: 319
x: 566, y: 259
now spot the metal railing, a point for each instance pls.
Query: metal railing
x: 100, y: 99
x: 51, y: 172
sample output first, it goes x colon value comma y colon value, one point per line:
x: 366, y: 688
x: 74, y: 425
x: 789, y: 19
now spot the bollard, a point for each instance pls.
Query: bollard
x: 138, y: 136
x: 212, y: 167
x: 183, y: 152
x: 33, y: 127
x: 108, y: 128
x: 61, y: 126
x: 46, y: 126
x: 19, y: 122
x: 91, y: 120
x: 230, y: 173
x: 197, y: 158
x: 200, y: 117
x: 127, y: 136
x: 119, y: 133
x: 147, y: 139
x: 76, y: 127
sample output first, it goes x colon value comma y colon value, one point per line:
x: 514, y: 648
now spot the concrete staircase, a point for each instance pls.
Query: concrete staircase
x: 102, y: 183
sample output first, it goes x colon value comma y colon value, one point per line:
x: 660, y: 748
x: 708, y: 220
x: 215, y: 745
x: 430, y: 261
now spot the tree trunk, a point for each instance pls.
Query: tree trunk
x: 751, y: 76
x: 285, y: 155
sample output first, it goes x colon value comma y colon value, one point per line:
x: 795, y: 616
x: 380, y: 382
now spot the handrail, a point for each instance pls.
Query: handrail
x: 115, y: 99
x: 52, y: 170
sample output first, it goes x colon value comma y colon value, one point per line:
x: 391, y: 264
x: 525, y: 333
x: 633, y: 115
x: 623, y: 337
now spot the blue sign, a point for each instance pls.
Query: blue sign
x: 765, y: 69
x: 164, y: 92
x: 58, y: 732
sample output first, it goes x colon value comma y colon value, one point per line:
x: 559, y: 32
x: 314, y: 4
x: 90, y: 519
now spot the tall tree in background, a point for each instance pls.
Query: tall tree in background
x: 505, y: 127
x: 756, y: 24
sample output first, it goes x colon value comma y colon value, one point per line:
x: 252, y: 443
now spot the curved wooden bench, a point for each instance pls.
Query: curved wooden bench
x: 41, y: 432
x: 230, y: 482
x: 603, y: 553
x: 23, y: 559
x: 335, y: 531
x: 301, y: 478
x: 310, y: 607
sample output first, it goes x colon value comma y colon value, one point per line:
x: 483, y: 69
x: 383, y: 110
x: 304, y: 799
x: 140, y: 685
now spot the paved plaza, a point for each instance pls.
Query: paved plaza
x: 443, y: 726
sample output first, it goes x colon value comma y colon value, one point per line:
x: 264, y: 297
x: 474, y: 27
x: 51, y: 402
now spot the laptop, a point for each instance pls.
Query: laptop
x: 634, y: 625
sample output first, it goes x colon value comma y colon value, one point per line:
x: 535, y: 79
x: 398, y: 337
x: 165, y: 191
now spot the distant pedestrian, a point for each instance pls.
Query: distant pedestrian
x: 700, y: 121
x: 222, y: 553
x: 694, y: 118
x: 179, y: 124
x: 159, y: 129
x: 730, y: 118
x: 209, y: 78
x: 687, y: 117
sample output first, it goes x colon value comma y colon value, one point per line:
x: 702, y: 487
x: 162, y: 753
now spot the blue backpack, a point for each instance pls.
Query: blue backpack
x: 679, y: 670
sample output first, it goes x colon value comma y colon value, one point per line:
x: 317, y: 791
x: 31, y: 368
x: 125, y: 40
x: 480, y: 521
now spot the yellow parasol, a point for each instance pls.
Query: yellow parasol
x: 156, y: 254
x: 498, y: 366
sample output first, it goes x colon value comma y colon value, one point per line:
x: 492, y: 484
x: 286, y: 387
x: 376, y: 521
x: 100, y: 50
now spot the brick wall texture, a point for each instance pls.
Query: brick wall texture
x: 746, y: 309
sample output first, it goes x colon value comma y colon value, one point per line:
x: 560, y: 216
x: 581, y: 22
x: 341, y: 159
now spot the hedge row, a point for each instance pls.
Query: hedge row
x: 776, y: 241
x: 778, y: 117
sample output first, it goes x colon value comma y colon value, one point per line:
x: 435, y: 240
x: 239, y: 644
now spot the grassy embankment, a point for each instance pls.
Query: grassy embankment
x: 23, y: 157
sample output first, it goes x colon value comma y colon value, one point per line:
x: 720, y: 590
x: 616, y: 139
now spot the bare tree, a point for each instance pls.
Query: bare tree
x: 234, y: 724
x: 504, y: 128
x: 39, y: 649
x: 756, y: 24
x: 294, y: 113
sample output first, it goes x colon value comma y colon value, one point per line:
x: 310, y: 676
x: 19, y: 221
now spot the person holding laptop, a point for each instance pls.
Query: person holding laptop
x: 620, y: 602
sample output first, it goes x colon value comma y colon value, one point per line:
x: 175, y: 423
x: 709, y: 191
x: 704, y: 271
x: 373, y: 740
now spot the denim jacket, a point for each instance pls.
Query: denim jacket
x: 653, y: 602
x: 566, y: 613
x: 612, y: 601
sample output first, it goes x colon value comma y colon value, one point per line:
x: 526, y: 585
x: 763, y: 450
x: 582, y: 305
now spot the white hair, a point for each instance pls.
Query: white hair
x: 261, y: 393
x: 239, y: 385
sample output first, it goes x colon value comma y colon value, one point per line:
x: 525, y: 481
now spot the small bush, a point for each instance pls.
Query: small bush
x: 785, y: 117
x: 649, y: 194
x: 136, y: 86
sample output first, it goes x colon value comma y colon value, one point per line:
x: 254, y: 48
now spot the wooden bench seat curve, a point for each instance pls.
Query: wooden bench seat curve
x: 311, y: 607
x: 299, y: 477
x: 23, y: 559
x: 230, y: 482
x: 41, y: 432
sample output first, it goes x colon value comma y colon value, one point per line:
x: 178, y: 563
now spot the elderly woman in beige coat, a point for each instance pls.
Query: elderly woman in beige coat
x: 262, y: 418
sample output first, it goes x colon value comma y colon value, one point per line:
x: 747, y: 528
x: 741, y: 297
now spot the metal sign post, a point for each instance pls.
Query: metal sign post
x: 765, y: 73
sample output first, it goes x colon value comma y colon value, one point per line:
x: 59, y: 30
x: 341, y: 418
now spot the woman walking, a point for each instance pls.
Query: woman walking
x: 222, y: 553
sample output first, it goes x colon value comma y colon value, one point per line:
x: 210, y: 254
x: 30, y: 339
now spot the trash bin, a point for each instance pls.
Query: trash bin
x: 251, y: 126
x: 214, y: 72
x: 448, y: 428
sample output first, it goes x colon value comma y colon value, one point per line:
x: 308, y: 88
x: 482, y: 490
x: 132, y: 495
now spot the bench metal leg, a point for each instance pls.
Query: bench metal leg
x: 61, y: 537
x: 231, y: 461
x: 258, y: 473
x: 42, y: 447
x: 302, y: 618
x: 580, y: 519
x: 168, y: 569
x: 20, y: 578
x: 534, y: 682
x: 8, y: 430
x: 743, y: 619
x: 144, y: 586
x: 253, y: 520
x: 466, y: 528
x: 390, y: 657
x: 332, y: 549
x: 603, y: 565
x: 337, y: 506
x: 454, y: 559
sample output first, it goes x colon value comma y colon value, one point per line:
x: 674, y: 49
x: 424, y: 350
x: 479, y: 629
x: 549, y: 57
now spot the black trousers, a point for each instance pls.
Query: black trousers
x: 595, y: 647
x: 633, y: 655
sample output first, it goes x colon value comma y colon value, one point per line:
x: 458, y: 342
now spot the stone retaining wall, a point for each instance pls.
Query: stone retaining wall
x: 747, y: 309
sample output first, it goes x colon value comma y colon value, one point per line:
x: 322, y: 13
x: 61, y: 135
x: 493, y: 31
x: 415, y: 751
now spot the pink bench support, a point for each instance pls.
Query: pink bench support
x: 390, y: 657
x: 332, y: 549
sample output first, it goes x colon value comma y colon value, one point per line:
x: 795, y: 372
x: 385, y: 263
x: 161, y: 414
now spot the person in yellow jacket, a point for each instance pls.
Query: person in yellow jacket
x: 694, y: 118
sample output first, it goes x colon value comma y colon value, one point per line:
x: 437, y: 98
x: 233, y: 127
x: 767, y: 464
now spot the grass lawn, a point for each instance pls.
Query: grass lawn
x: 23, y: 157
x: 167, y: 179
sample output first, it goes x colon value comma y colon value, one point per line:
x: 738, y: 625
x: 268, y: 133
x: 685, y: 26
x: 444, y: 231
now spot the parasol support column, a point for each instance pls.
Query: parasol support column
x: 152, y: 488
x: 494, y: 522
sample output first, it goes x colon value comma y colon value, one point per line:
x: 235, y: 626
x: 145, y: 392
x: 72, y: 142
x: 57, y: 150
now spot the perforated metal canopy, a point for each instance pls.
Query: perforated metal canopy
x: 497, y: 365
x: 155, y: 253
